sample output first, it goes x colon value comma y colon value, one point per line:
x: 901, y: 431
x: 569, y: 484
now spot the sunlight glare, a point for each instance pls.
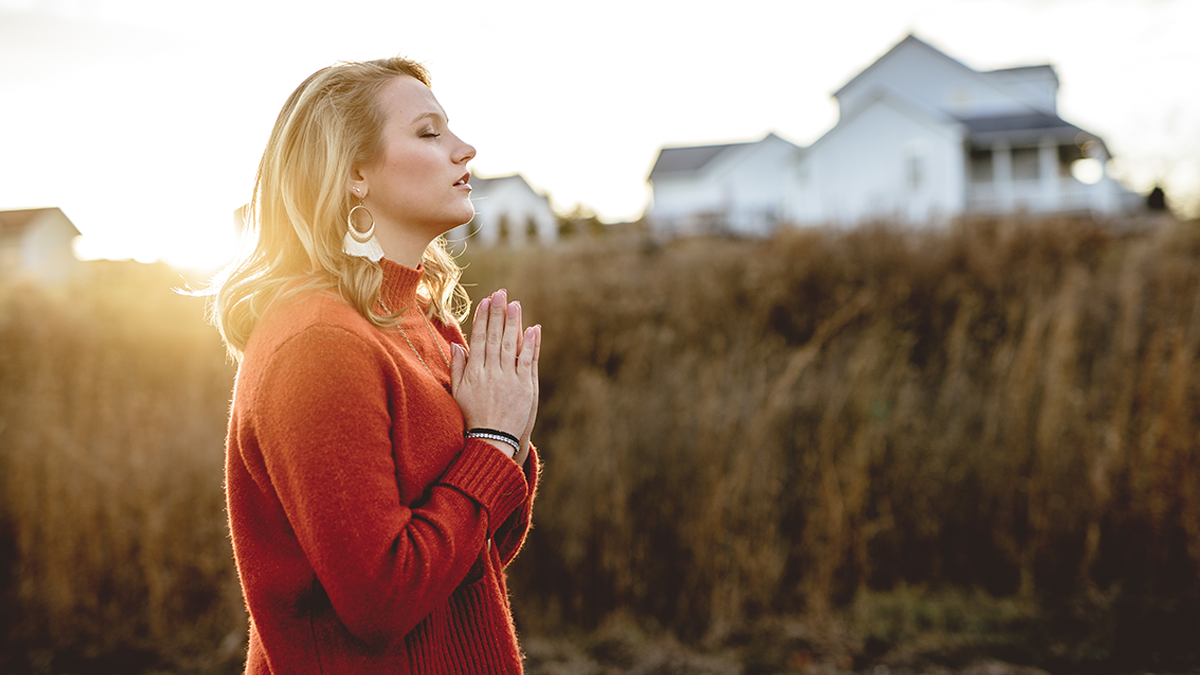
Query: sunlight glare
x: 1088, y: 171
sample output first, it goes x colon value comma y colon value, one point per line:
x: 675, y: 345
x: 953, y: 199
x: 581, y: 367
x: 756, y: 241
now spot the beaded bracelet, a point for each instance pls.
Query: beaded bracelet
x: 495, y: 435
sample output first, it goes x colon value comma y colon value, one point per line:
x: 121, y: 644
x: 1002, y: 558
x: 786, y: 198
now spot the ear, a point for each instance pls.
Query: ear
x: 357, y: 183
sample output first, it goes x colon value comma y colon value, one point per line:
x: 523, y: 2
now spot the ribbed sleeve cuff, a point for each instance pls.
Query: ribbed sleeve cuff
x: 487, y: 475
x: 530, y: 473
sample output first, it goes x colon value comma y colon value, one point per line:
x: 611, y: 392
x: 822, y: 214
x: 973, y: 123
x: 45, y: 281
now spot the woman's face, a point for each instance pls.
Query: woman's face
x: 419, y: 185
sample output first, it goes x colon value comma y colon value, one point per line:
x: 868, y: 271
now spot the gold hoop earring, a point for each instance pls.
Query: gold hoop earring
x: 361, y: 244
x: 360, y: 237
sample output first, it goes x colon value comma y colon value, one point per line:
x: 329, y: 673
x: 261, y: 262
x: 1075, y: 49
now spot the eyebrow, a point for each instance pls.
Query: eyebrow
x: 430, y: 115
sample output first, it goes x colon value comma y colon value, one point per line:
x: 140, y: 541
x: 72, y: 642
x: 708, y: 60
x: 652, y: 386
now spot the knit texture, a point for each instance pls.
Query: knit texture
x: 369, y: 537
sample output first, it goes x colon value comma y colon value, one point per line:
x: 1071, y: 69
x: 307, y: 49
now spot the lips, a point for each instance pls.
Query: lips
x: 463, y: 182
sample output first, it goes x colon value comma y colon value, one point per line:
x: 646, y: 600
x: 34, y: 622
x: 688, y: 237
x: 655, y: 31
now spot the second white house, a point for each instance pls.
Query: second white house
x: 921, y: 138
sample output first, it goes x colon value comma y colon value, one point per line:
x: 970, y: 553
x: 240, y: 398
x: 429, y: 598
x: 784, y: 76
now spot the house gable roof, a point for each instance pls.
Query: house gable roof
x: 684, y: 161
x: 1027, y: 129
x: 16, y: 221
x: 1005, y: 123
x: 927, y: 115
x: 1015, y: 129
x: 479, y: 184
x: 1024, y: 70
x: 906, y: 43
x: 1019, y: 85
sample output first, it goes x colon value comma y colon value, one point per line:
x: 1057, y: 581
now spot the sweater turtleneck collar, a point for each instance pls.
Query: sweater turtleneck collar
x: 400, y: 284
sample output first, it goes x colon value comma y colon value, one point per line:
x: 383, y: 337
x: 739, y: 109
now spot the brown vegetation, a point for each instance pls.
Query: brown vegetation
x: 736, y: 430
x: 830, y: 445
x: 112, y: 396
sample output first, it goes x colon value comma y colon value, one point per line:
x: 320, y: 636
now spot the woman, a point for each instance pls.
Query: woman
x: 370, y: 530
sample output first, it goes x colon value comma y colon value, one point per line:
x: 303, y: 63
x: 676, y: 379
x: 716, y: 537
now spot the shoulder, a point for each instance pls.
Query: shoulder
x: 312, y: 330
x: 304, y: 313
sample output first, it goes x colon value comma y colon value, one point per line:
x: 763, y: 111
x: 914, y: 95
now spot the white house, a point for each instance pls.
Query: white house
x: 739, y: 188
x: 507, y: 211
x: 37, y: 244
x: 920, y: 138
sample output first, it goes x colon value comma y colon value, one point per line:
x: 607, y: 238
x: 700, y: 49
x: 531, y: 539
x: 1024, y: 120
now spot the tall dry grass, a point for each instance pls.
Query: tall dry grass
x: 740, y: 429
x: 113, y: 396
x: 733, y: 432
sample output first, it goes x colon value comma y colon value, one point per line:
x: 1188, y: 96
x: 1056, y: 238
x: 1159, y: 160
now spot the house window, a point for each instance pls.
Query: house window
x: 915, y: 169
x: 1025, y: 163
x: 981, y: 165
x: 1067, y: 155
x: 502, y: 235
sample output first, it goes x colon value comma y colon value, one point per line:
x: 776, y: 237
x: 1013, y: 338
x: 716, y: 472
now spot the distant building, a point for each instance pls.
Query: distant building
x: 735, y: 188
x: 37, y: 244
x: 920, y: 138
x: 507, y: 211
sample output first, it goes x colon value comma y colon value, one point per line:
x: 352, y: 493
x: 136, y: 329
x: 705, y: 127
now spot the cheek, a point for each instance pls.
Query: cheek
x: 411, y: 168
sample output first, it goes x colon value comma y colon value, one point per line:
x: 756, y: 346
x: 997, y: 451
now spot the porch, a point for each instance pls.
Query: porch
x: 1043, y: 178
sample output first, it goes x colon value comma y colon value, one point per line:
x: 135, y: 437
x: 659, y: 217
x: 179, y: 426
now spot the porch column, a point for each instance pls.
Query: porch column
x: 517, y: 224
x: 547, y: 228
x: 1106, y: 189
x: 1048, y: 175
x: 1002, y: 175
x: 488, y: 232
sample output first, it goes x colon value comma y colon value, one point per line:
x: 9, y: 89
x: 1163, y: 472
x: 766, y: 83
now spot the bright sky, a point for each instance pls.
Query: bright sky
x: 144, y: 119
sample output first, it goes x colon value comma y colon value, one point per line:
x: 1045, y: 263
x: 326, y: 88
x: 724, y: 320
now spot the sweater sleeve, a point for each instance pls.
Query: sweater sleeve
x: 325, y: 435
x: 510, y: 535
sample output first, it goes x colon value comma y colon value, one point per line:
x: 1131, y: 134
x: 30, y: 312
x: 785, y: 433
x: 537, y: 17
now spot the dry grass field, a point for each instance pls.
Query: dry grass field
x: 830, y: 451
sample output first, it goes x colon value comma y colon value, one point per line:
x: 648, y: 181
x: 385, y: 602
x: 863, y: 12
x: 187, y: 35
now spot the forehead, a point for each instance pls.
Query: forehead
x: 406, y: 100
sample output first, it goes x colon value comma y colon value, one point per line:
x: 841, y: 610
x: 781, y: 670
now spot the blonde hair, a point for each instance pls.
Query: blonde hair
x: 297, y: 215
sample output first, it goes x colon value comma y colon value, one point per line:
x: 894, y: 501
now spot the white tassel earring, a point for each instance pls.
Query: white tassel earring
x: 361, y: 243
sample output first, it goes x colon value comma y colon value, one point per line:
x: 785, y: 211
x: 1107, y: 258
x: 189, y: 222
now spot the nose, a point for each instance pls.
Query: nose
x: 465, y: 152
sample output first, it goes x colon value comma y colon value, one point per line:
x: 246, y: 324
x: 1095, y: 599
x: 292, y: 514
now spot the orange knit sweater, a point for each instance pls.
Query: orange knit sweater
x: 369, y: 537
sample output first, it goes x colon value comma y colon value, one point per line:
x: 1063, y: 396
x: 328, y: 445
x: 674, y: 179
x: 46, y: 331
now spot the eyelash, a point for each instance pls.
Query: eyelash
x: 430, y: 134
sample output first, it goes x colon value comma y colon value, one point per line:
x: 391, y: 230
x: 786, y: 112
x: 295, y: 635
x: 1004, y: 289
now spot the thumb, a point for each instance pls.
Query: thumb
x: 458, y: 359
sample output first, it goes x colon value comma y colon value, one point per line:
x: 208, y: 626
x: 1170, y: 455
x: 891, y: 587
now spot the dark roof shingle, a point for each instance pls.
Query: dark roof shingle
x: 687, y: 160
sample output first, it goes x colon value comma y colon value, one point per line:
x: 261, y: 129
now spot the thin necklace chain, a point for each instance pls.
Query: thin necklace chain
x: 413, y: 347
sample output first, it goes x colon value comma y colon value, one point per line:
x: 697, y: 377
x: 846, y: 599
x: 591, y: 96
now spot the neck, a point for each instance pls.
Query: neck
x: 402, y: 246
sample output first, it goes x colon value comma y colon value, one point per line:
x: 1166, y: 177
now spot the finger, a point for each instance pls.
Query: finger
x: 533, y: 368
x: 537, y: 356
x: 479, y: 326
x: 458, y: 359
x: 537, y: 353
x: 533, y: 409
x: 512, y: 334
x: 495, y: 327
x: 525, y: 353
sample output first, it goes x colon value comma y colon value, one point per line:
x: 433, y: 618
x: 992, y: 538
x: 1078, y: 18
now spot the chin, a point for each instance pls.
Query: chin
x: 465, y: 218
x: 451, y: 223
